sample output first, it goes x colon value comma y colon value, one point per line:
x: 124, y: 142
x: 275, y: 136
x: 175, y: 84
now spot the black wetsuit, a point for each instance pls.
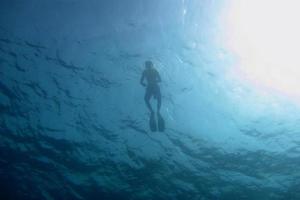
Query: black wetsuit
x: 152, y: 88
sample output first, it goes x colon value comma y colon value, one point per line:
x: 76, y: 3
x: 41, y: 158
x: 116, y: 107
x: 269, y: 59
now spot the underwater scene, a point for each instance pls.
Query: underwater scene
x: 149, y: 100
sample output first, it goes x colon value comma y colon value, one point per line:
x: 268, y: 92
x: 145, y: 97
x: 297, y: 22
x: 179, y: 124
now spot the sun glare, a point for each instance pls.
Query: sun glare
x: 265, y: 36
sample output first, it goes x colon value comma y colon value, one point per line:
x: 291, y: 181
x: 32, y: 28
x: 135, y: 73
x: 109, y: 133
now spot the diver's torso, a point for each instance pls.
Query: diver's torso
x: 151, y: 76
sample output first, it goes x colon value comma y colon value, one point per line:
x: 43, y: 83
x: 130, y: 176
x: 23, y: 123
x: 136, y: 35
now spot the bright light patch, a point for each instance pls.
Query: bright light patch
x: 265, y: 34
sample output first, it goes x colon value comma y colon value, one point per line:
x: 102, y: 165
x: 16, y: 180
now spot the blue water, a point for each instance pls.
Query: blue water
x: 74, y: 124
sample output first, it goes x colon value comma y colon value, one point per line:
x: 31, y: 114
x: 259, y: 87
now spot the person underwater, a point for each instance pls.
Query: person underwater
x: 152, y: 89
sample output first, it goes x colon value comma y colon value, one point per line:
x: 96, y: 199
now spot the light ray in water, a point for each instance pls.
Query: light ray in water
x: 265, y: 37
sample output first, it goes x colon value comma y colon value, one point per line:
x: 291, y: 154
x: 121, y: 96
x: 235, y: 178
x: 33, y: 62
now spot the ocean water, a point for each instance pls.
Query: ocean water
x: 74, y: 124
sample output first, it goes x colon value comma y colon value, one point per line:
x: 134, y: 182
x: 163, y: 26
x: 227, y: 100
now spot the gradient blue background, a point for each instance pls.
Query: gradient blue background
x: 73, y: 123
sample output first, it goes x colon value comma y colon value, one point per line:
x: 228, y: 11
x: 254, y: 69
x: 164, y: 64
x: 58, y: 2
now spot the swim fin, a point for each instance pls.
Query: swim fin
x: 161, y: 123
x: 152, y: 122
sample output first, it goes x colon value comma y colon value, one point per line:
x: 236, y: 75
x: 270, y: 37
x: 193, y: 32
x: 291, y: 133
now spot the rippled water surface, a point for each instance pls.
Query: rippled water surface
x: 74, y: 125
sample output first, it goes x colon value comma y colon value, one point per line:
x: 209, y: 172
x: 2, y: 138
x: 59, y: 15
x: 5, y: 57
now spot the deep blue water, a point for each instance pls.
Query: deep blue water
x: 74, y: 125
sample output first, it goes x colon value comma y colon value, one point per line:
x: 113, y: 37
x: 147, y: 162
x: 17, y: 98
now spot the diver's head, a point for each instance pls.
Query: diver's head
x: 148, y: 64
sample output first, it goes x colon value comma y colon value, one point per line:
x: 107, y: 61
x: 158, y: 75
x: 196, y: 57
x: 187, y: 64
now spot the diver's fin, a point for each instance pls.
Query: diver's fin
x: 161, y: 123
x: 152, y: 122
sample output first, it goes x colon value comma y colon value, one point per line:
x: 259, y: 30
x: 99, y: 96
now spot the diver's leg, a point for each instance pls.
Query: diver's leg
x: 158, y: 97
x: 147, y: 99
x: 158, y: 103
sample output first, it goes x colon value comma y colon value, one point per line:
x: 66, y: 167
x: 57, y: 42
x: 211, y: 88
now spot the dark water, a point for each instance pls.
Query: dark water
x: 74, y: 124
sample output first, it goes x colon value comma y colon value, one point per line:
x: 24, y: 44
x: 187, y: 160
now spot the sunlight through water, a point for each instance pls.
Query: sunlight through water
x: 264, y: 35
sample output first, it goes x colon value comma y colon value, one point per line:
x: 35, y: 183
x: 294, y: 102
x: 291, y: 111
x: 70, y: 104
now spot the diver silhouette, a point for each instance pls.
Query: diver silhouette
x: 152, y: 89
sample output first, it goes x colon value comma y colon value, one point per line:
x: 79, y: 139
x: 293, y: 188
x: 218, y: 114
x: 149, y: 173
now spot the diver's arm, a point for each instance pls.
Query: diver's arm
x: 142, y: 79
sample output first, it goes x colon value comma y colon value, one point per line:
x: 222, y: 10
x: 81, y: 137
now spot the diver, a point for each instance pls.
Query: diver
x: 152, y: 87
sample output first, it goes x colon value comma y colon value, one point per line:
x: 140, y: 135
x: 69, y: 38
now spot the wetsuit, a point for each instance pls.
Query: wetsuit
x: 152, y: 88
